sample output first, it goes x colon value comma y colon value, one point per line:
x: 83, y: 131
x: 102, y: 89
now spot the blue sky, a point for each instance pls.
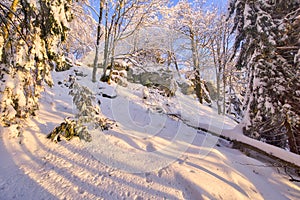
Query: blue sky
x: 218, y: 3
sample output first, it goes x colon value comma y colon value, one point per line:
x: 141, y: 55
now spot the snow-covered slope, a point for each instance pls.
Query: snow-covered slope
x: 147, y: 155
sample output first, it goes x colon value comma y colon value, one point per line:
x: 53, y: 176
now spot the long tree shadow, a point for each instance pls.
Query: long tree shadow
x: 66, y: 170
x: 233, y: 185
x: 14, y: 184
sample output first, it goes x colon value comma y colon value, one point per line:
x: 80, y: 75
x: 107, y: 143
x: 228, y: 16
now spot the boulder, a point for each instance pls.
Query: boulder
x: 186, y: 87
x: 162, y: 79
x: 119, y: 77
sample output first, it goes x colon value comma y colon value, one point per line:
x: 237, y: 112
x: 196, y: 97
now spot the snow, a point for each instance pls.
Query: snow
x: 247, y: 15
x: 271, y: 150
x: 11, y: 113
x: 19, y: 91
x: 148, y: 155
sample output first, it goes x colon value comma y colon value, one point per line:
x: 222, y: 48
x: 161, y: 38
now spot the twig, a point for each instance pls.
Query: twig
x: 246, y: 164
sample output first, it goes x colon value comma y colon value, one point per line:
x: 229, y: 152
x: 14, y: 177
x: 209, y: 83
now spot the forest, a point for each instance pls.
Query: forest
x: 253, y: 52
x: 239, y: 61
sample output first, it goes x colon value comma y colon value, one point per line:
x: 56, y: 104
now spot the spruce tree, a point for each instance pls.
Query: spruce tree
x: 267, y: 42
x: 31, y: 37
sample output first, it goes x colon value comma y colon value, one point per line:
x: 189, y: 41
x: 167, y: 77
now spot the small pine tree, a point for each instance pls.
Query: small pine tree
x: 88, y: 116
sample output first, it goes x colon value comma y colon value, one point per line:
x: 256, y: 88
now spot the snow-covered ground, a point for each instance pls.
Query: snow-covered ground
x: 147, y: 154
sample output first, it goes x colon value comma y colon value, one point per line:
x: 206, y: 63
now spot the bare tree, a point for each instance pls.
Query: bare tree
x: 122, y: 19
x: 196, y: 25
x: 221, y: 51
x: 82, y: 32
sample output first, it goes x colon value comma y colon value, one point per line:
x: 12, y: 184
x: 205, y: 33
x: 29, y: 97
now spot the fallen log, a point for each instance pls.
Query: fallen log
x: 252, y: 151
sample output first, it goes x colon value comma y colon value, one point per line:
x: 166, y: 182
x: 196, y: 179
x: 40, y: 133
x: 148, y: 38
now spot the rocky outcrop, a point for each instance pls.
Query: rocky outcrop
x: 162, y: 79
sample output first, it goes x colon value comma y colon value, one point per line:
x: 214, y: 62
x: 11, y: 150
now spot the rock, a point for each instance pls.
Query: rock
x: 119, y: 65
x: 162, y: 79
x: 186, y: 87
x: 119, y: 77
x: 119, y: 80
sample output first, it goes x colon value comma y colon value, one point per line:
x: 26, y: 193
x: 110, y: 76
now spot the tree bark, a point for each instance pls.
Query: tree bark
x: 95, y: 65
x: 199, y: 92
x: 108, y: 29
x: 13, y: 8
x: 291, y: 138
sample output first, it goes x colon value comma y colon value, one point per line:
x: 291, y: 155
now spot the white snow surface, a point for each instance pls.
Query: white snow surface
x: 147, y: 155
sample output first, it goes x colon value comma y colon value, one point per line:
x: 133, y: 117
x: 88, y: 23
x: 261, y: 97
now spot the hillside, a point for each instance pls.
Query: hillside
x: 150, y: 153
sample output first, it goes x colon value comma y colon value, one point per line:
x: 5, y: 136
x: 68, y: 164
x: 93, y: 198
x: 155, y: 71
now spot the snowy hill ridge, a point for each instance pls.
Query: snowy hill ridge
x: 148, y: 155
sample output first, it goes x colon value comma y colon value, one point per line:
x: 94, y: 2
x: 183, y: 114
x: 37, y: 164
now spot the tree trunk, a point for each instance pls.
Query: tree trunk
x: 95, y: 66
x: 218, y: 93
x: 106, y: 44
x: 172, y: 58
x: 6, y: 30
x: 216, y: 58
x: 105, y: 59
x: 229, y: 94
x: 291, y: 138
x: 224, y: 95
x: 10, y: 14
x: 112, y: 61
x: 199, y: 92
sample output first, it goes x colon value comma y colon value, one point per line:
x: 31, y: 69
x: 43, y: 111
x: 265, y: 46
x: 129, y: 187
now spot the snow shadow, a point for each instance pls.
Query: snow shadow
x: 66, y: 170
x: 14, y: 182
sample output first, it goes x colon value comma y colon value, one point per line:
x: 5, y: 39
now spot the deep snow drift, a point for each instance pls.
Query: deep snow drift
x: 147, y: 155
